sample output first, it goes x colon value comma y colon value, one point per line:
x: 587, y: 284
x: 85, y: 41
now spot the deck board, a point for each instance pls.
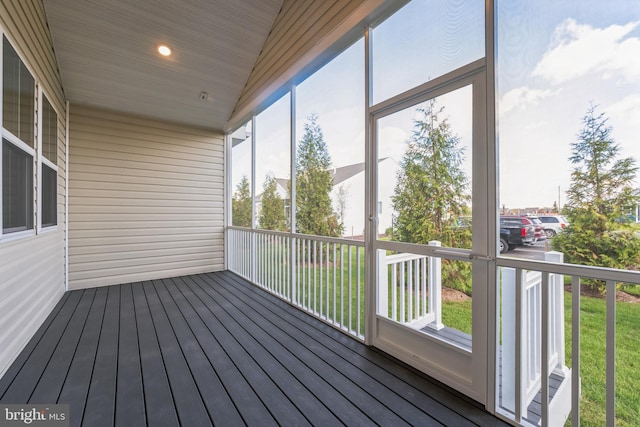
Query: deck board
x: 26, y: 379
x: 313, y: 353
x: 130, y: 407
x: 100, y: 406
x: 158, y: 397
x: 212, y: 349
x: 76, y: 385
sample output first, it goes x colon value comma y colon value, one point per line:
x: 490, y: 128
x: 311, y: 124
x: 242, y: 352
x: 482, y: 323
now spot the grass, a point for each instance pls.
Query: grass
x: 593, y: 360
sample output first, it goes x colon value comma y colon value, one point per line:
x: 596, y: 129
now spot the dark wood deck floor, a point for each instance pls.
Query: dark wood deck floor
x: 213, y: 349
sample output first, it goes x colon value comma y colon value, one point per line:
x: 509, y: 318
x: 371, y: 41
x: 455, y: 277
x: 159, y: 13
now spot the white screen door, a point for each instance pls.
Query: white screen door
x: 429, y: 252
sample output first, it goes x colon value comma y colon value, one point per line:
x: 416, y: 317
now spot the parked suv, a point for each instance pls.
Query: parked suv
x: 553, y: 224
x: 515, y: 231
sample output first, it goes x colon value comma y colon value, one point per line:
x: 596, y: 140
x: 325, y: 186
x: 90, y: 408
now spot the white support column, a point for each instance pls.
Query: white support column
x: 508, y: 338
x: 435, y: 288
x: 383, y: 284
x: 293, y: 248
x: 556, y: 282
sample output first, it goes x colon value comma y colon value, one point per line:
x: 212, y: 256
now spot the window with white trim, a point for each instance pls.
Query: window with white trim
x: 18, y: 142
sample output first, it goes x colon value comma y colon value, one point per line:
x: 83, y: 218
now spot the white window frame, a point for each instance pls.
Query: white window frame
x: 13, y: 139
x: 42, y: 160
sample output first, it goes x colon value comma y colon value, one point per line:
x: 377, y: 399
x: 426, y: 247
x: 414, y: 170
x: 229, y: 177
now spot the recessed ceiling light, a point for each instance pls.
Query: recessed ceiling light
x: 164, y: 50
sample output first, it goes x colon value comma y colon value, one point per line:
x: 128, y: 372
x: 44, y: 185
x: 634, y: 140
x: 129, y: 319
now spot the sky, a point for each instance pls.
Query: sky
x: 555, y: 59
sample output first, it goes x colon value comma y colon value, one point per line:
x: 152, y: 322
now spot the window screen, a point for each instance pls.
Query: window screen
x: 18, y: 96
x: 49, y: 131
x: 17, y: 189
x: 49, y: 199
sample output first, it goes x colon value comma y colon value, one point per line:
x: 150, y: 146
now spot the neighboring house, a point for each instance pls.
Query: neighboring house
x: 349, y: 176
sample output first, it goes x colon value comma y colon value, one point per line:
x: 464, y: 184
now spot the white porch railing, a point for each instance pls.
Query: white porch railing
x: 324, y: 276
x: 550, y: 411
x: 414, y: 284
x: 521, y: 368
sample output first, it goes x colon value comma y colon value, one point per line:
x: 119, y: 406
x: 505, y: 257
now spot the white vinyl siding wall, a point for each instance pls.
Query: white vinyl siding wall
x: 145, y: 199
x: 32, y: 268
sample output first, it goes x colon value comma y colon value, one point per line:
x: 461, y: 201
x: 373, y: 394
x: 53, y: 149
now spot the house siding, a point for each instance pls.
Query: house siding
x: 32, y: 269
x: 145, y: 199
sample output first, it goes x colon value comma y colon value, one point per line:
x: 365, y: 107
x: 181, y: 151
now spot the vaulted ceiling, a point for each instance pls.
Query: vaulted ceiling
x: 108, y: 57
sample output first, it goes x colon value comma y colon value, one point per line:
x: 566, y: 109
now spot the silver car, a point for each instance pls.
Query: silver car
x: 553, y: 224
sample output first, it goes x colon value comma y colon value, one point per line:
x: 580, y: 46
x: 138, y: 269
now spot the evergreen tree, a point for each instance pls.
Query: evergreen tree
x: 241, y: 204
x: 431, y: 193
x: 272, y: 216
x: 601, y: 188
x: 431, y: 189
x: 314, y: 211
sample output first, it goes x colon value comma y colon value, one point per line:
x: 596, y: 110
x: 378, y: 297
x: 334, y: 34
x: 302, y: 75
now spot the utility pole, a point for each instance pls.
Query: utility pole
x: 559, y: 208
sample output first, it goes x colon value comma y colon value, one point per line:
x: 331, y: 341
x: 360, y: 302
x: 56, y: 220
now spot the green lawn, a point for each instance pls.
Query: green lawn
x: 593, y: 362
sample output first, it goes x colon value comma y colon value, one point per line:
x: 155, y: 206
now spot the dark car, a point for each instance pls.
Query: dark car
x: 515, y: 231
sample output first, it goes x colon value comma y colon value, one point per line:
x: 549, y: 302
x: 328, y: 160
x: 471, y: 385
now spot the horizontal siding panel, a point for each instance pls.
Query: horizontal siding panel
x: 164, y: 142
x: 132, y: 195
x: 90, y: 202
x: 130, y: 126
x: 152, y: 220
x: 153, y: 253
x: 144, y: 265
x: 119, y: 185
x: 141, y: 232
x: 118, y: 248
x: 32, y: 276
x: 32, y: 272
x: 159, y: 209
x: 129, y: 173
x: 114, y: 243
x: 151, y: 226
x: 146, y: 199
x: 132, y: 276
x: 184, y: 181
x: 119, y: 165
x: 132, y: 144
x: 150, y: 158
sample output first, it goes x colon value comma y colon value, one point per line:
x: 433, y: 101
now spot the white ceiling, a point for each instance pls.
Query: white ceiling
x: 107, y: 54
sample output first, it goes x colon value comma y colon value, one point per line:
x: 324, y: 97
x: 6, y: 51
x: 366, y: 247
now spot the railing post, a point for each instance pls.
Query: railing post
x: 435, y: 288
x: 383, y: 283
x: 556, y: 282
x: 253, y: 258
x: 293, y: 285
x: 509, y: 358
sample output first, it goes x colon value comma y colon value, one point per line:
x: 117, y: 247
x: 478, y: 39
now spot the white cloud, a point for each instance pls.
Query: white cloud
x: 578, y: 50
x: 522, y: 97
x: 627, y: 109
x: 624, y: 117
